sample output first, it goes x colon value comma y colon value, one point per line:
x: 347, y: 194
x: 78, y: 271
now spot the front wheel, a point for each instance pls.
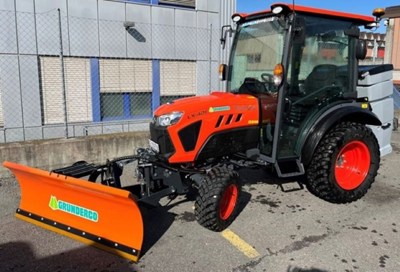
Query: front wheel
x: 344, y: 164
x: 218, y: 197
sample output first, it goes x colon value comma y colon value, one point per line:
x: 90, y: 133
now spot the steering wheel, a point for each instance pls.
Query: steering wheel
x: 268, y: 80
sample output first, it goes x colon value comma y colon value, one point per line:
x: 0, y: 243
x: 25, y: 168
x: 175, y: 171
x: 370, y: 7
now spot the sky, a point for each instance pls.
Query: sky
x: 364, y: 7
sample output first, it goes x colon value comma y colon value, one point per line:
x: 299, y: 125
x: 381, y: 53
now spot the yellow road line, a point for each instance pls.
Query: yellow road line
x: 240, y: 244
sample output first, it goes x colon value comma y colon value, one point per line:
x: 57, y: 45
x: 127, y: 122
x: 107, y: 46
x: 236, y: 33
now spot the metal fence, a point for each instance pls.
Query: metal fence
x: 64, y: 76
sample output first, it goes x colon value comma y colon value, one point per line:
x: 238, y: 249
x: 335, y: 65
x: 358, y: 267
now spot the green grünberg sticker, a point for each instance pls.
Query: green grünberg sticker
x: 60, y: 205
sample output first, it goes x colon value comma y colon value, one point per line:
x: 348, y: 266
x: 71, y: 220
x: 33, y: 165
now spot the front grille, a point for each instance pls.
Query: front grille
x: 229, y: 142
x: 161, y: 137
x: 189, y: 136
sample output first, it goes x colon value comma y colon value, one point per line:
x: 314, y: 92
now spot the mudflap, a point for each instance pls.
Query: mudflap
x: 98, y: 215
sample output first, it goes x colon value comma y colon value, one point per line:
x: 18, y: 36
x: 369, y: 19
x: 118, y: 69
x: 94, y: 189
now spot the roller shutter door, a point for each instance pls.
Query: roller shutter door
x: 178, y: 78
x: 119, y: 76
x: 78, y: 90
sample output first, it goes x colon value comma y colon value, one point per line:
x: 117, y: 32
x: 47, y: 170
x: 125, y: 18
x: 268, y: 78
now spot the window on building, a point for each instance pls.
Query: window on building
x: 178, y: 79
x: 254, y: 58
x: 125, y: 88
x: 140, y: 1
x: 77, y: 87
x: 183, y: 3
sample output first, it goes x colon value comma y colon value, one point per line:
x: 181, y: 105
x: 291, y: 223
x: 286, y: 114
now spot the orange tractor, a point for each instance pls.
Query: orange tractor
x: 296, y: 101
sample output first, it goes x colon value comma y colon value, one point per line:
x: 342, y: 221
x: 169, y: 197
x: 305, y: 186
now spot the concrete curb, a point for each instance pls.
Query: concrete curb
x: 50, y: 154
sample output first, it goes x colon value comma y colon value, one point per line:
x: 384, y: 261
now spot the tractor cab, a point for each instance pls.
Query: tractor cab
x: 301, y: 63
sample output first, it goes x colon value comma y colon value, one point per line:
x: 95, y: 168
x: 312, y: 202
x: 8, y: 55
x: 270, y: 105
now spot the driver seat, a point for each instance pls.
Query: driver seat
x: 322, y: 75
x: 252, y: 86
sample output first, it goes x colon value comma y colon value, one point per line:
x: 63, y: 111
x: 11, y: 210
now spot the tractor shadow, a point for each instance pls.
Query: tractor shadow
x: 250, y: 177
x: 22, y: 256
x: 157, y: 220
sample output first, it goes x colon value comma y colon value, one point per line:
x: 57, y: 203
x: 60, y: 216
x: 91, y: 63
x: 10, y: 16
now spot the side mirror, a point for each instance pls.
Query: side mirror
x: 223, y: 69
x: 224, y: 32
x: 361, y: 50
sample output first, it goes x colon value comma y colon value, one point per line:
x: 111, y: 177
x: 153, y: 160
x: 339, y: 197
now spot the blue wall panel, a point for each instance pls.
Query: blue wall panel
x: 155, y: 99
x: 127, y: 106
x: 95, y: 82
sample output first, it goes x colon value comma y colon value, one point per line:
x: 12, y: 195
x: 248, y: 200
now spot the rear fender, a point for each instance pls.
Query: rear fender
x: 348, y: 112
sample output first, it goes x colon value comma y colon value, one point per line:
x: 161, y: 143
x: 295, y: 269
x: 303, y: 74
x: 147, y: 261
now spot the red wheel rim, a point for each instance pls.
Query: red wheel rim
x: 352, y: 165
x: 228, y: 202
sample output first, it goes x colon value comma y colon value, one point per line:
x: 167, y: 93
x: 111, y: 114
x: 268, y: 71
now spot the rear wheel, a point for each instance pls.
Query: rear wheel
x: 218, y: 198
x: 344, y: 164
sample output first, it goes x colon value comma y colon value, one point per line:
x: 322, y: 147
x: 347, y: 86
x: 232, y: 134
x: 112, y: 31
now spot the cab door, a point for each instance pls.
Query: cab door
x: 318, y: 78
x: 268, y: 107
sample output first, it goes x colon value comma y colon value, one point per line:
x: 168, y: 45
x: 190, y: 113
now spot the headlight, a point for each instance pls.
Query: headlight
x: 169, y: 119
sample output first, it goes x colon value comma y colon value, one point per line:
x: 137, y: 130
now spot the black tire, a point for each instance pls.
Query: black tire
x: 210, y: 209
x: 329, y: 176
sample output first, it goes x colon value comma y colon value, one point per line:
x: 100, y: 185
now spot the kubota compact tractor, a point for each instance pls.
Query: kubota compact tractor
x: 296, y: 99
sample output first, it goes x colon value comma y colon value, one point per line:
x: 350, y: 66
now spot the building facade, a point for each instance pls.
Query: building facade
x: 375, y: 47
x: 72, y: 68
x: 392, y: 52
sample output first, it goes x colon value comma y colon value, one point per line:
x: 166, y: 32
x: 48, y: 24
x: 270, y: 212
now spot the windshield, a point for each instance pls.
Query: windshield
x: 258, y: 47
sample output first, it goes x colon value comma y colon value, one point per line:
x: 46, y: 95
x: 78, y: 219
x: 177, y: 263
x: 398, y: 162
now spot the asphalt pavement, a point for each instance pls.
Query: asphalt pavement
x: 275, y: 231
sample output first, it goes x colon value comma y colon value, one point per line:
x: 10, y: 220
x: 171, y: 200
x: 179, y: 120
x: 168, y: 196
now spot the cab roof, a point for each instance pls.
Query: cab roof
x: 356, y: 18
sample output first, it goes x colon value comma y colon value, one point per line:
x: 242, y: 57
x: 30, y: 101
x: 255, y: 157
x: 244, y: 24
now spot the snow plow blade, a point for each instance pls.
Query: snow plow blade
x: 98, y: 215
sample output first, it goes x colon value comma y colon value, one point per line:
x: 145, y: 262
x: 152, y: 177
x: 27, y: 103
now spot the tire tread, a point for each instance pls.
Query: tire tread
x: 320, y: 179
x: 209, y: 195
